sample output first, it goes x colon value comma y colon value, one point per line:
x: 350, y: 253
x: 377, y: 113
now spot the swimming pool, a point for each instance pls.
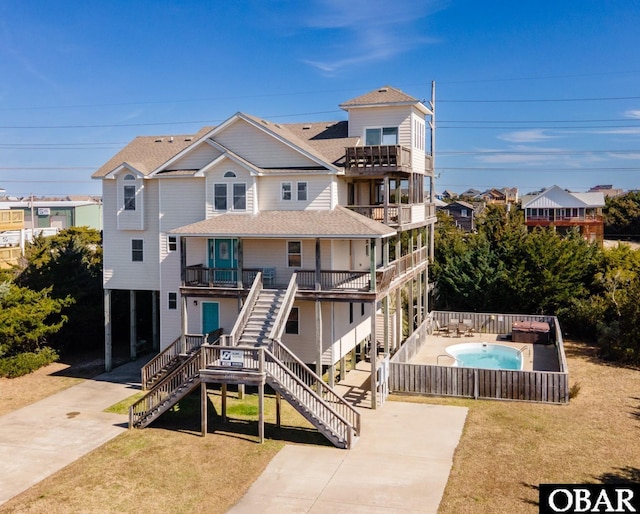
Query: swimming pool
x: 485, y: 355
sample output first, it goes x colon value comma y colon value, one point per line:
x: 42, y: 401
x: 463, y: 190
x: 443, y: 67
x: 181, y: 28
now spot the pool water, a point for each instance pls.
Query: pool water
x: 485, y: 355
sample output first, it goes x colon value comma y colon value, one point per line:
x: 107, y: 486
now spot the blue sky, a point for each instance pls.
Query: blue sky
x: 528, y: 94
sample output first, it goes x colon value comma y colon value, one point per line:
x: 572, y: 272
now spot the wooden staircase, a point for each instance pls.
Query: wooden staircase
x: 257, y: 330
x: 256, y: 333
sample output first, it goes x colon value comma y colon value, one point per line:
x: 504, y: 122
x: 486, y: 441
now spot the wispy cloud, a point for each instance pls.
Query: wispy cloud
x: 526, y: 136
x: 522, y: 156
x: 366, y: 31
x: 633, y: 113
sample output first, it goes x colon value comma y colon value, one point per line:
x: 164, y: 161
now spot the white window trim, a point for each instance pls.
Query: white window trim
x: 288, y: 253
x: 282, y: 198
x: 297, y: 332
x: 306, y: 190
x: 226, y: 196
x: 141, y: 251
x: 246, y: 189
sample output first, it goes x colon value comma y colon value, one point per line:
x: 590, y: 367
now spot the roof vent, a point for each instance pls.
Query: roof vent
x: 383, y: 90
x: 159, y: 140
x: 188, y: 139
x: 171, y: 139
x: 265, y: 122
x: 306, y: 127
x: 278, y: 125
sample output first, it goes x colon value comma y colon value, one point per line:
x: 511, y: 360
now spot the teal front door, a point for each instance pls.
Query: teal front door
x: 222, y: 258
x: 210, y: 317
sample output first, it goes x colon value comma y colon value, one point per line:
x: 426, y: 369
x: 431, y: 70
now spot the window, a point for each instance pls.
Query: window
x: 229, y: 174
x: 294, y: 254
x: 302, y: 191
x: 239, y: 197
x: 362, y: 309
x: 350, y: 313
x: 463, y: 213
x: 381, y: 136
x: 129, y: 198
x: 220, y: 197
x: 173, y: 301
x: 286, y: 191
x: 137, y: 250
x: 173, y: 243
x: 129, y: 195
x: 293, y: 322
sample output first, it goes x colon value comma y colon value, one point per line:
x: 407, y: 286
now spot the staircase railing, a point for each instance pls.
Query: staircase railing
x: 231, y: 338
x: 285, y: 307
x: 298, y: 368
x: 163, y: 396
x: 329, y: 414
x: 181, y: 346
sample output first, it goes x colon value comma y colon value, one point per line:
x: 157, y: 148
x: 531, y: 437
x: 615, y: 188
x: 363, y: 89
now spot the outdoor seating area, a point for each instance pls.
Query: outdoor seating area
x: 455, y: 328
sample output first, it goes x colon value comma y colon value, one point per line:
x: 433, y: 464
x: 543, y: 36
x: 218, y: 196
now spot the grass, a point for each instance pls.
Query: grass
x: 507, y: 449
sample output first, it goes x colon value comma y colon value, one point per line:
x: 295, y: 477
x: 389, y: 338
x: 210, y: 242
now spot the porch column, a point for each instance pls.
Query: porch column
x: 372, y: 255
x: 373, y: 354
x: 386, y: 199
x: 319, y: 343
x: 385, y: 311
x: 398, y: 317
x: 318, y: 266
x: 419, y: 291
x: 132, y: 325
x: 184, y: 324
x: 155, y: 340
x: 107, y: 331
x: 239, y: 259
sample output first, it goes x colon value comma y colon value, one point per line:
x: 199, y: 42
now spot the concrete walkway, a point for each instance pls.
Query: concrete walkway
x: 42, y: 438
x: 400, y: 464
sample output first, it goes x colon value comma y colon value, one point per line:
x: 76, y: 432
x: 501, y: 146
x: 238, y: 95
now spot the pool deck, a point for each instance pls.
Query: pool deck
x: 434, y: 349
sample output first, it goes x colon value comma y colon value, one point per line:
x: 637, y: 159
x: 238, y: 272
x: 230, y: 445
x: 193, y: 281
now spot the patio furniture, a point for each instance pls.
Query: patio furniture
x: 468, y: 327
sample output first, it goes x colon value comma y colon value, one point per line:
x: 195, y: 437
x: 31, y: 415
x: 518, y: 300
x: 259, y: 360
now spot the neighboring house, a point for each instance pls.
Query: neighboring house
x: 11, y: 223
x: 317, y: 210
x: 607, y: 190
x: 462, y: 214
x: 563, y: 210
x: 57, y: 213
x: 447, y: 194
x: 471, y: 194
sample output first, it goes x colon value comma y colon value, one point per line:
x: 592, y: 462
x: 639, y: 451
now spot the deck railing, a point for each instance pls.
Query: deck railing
x: 164, y: 391
x: 377, y: 157
x: 243, y: 317
x: 336, y: 279
x: 285, y: 307
x: 344, y: 409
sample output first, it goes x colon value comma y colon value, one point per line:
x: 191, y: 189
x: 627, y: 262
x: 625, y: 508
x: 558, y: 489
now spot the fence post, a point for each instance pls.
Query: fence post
x: 476, y: 385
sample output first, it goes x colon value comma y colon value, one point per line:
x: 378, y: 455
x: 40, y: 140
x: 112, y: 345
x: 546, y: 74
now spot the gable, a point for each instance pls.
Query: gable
x: 554, y: 198
x: 260, y: 148
x: 194, y: 158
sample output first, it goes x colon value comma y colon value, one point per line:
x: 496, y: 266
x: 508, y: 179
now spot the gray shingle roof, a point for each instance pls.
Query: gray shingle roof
x: 336, y: 224
x: 146, y: 153
x: 381, y: 96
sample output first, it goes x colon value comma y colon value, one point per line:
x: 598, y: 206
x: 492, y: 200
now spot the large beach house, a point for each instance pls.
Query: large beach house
x: 308, y: 235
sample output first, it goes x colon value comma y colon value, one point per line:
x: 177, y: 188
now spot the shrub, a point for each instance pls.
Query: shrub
x: 25, y: 363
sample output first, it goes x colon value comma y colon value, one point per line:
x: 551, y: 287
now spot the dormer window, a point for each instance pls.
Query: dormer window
x: 129, y: 195
x: 381, y: 136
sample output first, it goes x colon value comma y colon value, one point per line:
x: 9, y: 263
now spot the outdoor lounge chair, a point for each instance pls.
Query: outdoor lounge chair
x: 468, y: 327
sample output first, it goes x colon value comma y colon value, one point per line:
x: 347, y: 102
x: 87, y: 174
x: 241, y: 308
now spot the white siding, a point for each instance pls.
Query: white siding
x: 400, y: 117
x: 195, y: 158
x: 338, y: 335
x: 319, y: 193
x: 260, y: 148
x: 418, y: 154
x: 120, y: 272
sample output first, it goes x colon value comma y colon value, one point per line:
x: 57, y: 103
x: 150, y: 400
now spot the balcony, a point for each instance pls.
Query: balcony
x: 397, y: 215
x: 377, y: 160
x: 202, y: 281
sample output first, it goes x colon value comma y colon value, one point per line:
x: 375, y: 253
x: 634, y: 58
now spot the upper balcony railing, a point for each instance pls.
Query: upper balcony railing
x: 396, y: 215
x: 374, y: 160
x: 336, y: 281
